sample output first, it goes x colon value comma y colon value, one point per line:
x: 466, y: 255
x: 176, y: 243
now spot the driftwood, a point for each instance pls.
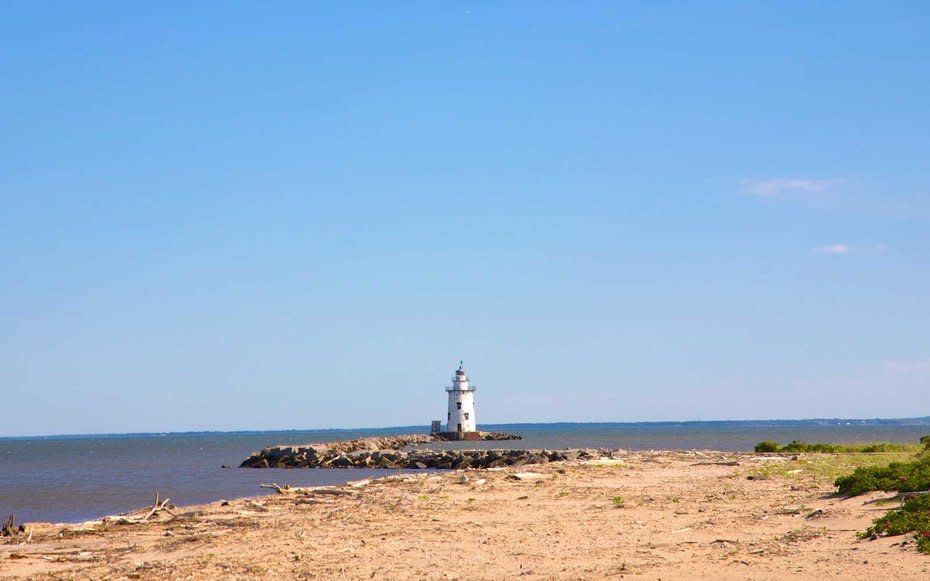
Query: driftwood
x: 902, y: 496
x: 144, y: 514
x: 10, y: 529
x: 286, y: 489
x: 307, y: 501
x: 717, y: 463
x: 256, y: 506
x: 525, y: 476
x: 330, y: 491
x: 157, y: 507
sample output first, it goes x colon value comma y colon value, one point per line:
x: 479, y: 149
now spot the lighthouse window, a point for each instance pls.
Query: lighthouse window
x: 449, y: 416
x: 458, y: 405
x: 466, y: 415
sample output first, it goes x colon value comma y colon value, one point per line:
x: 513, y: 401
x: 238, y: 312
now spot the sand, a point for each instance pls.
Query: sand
x: 653, y: 515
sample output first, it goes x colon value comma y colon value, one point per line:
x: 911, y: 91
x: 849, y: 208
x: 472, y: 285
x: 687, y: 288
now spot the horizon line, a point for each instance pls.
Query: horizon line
x: 918, y: 419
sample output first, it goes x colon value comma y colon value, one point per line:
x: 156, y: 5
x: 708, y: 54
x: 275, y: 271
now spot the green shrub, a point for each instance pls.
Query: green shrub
x: 913, y: 516
x: 925, y: 442
x: 767, y: 446
x: 796, y: 446
x: 900, y: 476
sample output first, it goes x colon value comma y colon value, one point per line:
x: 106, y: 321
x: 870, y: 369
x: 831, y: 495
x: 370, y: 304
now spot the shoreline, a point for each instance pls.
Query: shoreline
x: 668, y: 514
x: 123, y: 473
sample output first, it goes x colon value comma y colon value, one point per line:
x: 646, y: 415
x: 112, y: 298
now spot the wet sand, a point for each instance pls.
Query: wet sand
x: 651, y: 515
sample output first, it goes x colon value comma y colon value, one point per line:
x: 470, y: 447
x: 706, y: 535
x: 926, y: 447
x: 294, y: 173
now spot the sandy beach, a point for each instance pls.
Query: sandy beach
x: 651, y: 515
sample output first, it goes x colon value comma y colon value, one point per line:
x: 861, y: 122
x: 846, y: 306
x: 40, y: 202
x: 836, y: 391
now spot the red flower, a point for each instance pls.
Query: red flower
x: 927, y: 534
x: 902, y: 478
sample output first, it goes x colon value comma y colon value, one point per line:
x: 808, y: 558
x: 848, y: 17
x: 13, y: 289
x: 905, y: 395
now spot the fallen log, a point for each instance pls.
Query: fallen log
x: 286, y: 489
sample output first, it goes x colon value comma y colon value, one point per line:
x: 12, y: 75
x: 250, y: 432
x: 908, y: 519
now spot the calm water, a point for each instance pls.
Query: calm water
x: 74, y: 478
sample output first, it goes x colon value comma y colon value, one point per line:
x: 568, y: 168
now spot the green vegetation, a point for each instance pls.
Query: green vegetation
x: 795, y: 446
x: 618, y: 501
x: 875, y: 466
x: 817, y: 468
x: 913, y: 516
x: 903, y: 476
x: 900, y: 476
x: 767, y: 446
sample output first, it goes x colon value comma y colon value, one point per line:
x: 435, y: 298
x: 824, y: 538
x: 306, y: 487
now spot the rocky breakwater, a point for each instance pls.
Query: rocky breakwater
x: 322, y: 455
x: 374, y: 453
x: 496, y: 436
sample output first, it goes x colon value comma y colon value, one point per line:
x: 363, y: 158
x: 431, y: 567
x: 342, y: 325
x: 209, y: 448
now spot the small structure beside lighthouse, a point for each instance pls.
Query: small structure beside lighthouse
x: 460, y: 421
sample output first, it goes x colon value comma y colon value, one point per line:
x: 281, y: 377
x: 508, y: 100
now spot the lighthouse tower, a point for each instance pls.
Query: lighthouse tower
x: 461, y: 416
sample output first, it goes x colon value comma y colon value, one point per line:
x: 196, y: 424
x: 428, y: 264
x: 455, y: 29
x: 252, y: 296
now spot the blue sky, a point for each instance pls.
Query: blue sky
x: 244, y: 216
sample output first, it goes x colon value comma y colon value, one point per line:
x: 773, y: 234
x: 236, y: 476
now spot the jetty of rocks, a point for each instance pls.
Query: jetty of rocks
x: 395, y: 452
x: 311, y: 457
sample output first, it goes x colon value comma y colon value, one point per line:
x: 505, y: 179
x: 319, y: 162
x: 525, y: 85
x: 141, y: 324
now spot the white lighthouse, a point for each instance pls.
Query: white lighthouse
x: 461, y: 416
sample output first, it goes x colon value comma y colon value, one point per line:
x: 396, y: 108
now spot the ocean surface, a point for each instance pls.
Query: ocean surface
x: 76, y: 478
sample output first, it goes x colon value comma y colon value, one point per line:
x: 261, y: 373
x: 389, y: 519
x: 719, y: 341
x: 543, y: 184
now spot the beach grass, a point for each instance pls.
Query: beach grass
x: 827, y: 467
x: 796, y: 446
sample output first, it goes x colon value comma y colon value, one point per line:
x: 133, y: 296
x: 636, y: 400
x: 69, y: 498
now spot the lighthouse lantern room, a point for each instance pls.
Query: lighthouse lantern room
x: 461, y: 417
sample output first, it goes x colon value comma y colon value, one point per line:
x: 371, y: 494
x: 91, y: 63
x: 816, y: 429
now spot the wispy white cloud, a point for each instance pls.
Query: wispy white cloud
x: 882, y: 248
x: 912, y: 368
x: 776, y: 187
x: 833, y: 249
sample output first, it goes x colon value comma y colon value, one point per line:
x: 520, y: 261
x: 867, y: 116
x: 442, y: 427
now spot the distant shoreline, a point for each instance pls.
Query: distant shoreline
x: 416, y: 428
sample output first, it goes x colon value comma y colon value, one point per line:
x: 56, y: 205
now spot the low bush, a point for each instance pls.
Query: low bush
x: 901, y: 476
x: 767, y: 446
x: 913, y: 516
x: 925, y: 442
